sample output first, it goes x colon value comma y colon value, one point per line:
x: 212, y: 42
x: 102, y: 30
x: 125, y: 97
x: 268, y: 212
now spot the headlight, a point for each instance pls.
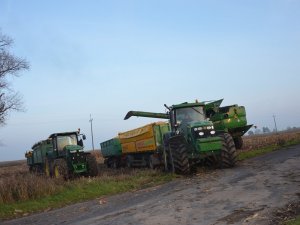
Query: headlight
x: 212, y: 132
x: 201, y: 133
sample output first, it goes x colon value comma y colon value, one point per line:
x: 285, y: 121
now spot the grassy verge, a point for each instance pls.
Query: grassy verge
x: 263, y: 150
x: 85, y: 189
x: 295, y: 221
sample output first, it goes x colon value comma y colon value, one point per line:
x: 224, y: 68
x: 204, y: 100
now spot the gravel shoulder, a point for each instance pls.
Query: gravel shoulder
x: 248, y: 194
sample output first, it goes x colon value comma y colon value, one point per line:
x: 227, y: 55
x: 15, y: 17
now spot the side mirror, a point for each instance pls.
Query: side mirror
x: 83, y: 137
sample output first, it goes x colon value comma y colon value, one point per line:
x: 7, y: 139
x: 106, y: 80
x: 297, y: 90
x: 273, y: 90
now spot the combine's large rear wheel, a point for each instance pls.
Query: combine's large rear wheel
x: 228, y: 152
x: 179, y: 156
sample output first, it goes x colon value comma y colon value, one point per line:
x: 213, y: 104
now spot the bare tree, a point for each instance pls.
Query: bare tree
x: 10, y: 65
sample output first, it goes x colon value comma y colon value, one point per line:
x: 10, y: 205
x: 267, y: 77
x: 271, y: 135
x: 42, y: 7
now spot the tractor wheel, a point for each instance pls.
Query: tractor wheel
x: 212, y: 161
x: 167, y: 157
x: 178, y: 152
x: 47, y: 168
x: 92, y: 165
x: 61, y: 169
x: 228, y: 152
x: 238, y: 141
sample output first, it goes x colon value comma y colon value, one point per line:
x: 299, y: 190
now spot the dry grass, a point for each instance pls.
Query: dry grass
x: 25, y: 186
x: 260, y: 141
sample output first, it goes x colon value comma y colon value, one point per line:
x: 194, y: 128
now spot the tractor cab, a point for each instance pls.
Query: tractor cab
x: 68, y: 142
x: 190, y: 120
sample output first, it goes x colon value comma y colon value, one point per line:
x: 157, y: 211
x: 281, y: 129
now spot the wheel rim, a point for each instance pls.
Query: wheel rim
x: 56, y: 172
x: 47, y: 171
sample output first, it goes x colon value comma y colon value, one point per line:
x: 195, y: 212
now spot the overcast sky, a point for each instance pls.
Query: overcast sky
x: 108, y: 57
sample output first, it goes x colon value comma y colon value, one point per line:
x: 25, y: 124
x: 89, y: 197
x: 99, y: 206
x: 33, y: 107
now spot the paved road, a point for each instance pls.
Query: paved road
x: 247, y: 194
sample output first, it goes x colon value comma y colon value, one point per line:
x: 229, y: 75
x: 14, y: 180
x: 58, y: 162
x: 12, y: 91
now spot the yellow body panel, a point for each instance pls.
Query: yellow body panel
x: 146, y: 145
x: 128, y: 147
x: 137, y: 134
x: 141, y: 139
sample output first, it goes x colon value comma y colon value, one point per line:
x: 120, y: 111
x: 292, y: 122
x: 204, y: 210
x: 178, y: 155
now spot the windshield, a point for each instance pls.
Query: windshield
x: 186, y: 115
x: 62, y: 141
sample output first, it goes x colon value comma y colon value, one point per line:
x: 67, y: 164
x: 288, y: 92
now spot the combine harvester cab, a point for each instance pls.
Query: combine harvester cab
x: 139, y: 147
x: 200, y: 132
x: 62, y: 155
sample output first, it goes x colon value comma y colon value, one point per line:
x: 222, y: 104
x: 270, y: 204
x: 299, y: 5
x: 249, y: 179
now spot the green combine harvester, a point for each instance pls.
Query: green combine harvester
x: 62, y: 155
x: 200, y: 132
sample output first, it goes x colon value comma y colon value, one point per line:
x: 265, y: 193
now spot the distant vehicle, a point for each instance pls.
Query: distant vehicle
x: 62, y: 155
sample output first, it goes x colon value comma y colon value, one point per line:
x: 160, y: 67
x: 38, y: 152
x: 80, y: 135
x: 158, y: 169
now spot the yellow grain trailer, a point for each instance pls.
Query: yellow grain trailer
x: 143, y: 146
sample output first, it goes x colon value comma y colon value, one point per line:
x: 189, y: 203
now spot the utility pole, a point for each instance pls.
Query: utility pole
x: 275, y: 124
x: 91, y: 121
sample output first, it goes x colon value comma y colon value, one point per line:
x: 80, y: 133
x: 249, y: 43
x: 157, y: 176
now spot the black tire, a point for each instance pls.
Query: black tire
x: 129, y: 160
x: 151, y: 162
x: 167, y: 157
x: 238, y: 141
x: 114, y: 163
x: 228, y: 152
x: 60, y: 169
x: 92, y: 165
x: 212, y: 161
x: 179, y: 156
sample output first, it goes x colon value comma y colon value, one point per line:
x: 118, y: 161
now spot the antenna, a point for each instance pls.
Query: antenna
x: 91, y: 121
x: 275, y: 124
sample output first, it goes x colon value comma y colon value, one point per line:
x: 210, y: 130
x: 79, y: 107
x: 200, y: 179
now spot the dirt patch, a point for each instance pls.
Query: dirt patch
x: 290, y: 211
x: 238, y: 215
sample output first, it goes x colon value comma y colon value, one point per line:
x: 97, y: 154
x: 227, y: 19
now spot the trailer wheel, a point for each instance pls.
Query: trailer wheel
x: 228, y: 152
x: 129, y: 160
x: 151, y: 162
x: 178, y: 153
x: 238, y: 141
x: 114, y: 163
x: 92, y: 165
x: 60, y: 169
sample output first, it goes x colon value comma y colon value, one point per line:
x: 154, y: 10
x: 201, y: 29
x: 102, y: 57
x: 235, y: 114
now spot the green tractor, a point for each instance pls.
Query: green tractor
x: 200, y: 133
x: 62, y: 155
